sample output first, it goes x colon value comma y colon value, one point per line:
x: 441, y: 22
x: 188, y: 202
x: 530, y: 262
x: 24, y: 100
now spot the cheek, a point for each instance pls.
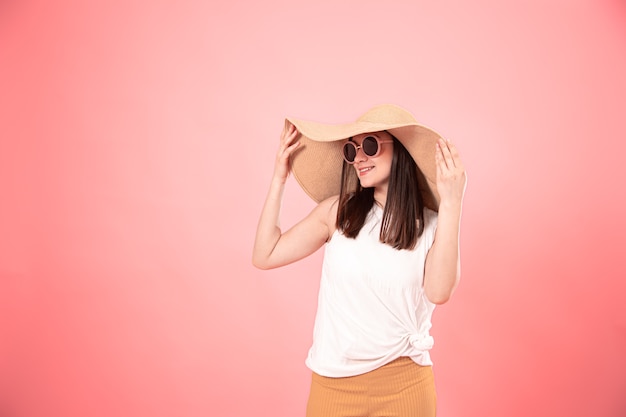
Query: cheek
x: 388, y: 158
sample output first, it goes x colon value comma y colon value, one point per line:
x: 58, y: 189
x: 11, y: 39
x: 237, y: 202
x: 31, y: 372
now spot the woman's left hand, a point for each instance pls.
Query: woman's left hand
x: 451, y: 176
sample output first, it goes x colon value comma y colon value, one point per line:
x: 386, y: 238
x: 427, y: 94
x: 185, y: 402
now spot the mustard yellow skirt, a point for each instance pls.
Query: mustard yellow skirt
x: 401, y: 388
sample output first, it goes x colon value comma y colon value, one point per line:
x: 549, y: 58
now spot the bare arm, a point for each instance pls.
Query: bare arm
x: 443, y: 263
x: 272, y: 247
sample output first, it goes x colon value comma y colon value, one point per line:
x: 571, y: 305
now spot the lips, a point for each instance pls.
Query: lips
x: 365, y: 170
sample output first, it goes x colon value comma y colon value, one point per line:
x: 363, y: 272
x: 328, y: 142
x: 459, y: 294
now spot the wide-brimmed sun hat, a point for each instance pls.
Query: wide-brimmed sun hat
x: 318, y: 161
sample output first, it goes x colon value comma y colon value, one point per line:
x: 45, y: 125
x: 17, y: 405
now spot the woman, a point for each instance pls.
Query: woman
x: 389, y: 195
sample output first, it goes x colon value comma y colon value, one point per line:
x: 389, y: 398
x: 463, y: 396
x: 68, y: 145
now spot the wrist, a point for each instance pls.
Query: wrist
x: 278, y: 180
x: 450, y: 208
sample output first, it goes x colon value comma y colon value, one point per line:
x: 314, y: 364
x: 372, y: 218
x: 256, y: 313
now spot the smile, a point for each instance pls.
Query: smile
x: 365, y: 170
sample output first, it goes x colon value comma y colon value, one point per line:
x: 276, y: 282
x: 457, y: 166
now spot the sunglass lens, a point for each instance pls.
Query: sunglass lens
x: 349, y: 152
x: 370, y: 146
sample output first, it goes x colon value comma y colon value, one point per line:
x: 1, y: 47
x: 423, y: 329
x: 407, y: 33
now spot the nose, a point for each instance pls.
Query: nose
x: 360, y: 155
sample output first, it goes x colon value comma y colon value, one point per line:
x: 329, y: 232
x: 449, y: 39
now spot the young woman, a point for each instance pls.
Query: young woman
x: 389, y: 195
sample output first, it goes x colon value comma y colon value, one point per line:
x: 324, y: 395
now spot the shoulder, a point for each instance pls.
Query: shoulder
x: 330, y: 203
x: 328, y: 207
x: 430, y: 223
x: 326, y: 212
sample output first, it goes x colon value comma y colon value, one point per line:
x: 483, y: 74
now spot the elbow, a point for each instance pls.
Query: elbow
x: 257, y: 263
x: 441, y: 277
x: 439, y: 298
x: 261, y: 263
x: 441, y: 295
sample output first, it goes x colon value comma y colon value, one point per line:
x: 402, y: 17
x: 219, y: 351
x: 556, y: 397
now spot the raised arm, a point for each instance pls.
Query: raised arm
x: 272, y: 247
x: 443, y: 263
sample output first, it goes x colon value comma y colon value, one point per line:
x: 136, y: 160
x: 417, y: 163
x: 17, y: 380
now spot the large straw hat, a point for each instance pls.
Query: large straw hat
x: 318, y: 161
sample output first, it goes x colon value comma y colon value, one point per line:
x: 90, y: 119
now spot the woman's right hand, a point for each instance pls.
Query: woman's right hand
x: 272, y: 247
x: 287, y: 146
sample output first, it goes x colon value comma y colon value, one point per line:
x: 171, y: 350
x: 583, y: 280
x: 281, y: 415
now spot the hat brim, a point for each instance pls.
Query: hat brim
x: 318, y: 162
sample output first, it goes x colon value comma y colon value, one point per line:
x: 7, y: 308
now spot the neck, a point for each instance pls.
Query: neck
x: 380, y: 196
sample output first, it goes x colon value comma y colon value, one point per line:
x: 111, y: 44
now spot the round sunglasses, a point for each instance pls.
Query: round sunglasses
x: 370, y: 145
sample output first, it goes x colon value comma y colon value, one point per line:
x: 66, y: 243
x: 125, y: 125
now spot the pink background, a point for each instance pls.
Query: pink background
x: 137, y: 145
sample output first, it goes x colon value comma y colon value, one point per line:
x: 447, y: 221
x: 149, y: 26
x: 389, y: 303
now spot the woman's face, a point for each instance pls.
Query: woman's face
x: 374, y: 171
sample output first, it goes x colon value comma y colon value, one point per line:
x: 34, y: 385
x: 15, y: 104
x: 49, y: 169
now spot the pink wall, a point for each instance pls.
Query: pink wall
x: 137, y: 143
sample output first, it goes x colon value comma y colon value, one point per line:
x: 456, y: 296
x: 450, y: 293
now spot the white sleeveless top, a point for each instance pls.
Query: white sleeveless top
x: 372, y: 307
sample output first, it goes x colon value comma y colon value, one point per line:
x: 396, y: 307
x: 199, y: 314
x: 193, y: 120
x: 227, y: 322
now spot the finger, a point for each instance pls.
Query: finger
x: 440, y: 162
x: 292, y: 134
x: 445, y: 151
x: 285, y: 140
x: 287, y: 129
x: 288, y: 126
x: 458, y: 169
x: 292, y: 148
x: 456, y: 157
x: 441, y: 159
x: 287, y: 150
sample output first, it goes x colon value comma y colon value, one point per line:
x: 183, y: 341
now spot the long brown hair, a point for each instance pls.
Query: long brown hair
x: 403, y: 215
